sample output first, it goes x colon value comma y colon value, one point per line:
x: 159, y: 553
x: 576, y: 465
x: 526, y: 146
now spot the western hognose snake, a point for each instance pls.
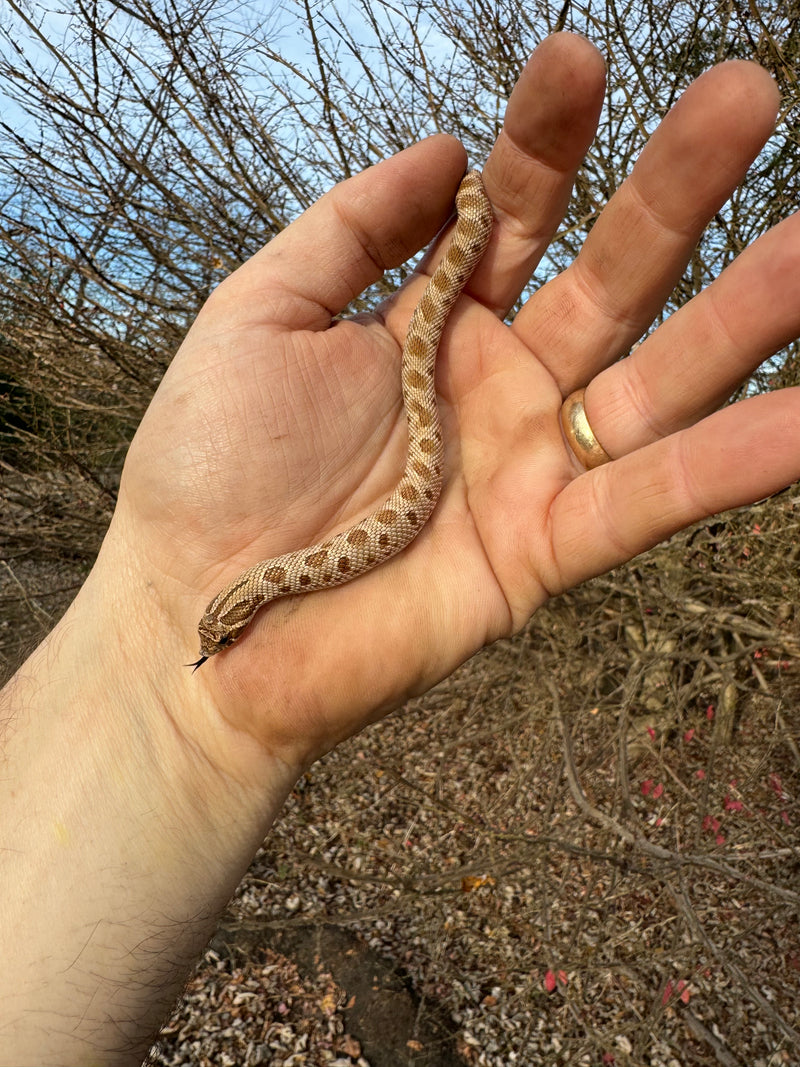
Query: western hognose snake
x: 392, y: 526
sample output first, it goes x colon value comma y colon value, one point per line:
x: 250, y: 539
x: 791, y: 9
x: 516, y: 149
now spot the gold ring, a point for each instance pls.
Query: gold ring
x: 588, y: 450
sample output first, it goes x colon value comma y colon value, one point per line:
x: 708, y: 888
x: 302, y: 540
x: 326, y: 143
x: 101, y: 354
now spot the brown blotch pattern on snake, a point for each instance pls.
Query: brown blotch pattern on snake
x: 316, y: 559
x: 365, y: 545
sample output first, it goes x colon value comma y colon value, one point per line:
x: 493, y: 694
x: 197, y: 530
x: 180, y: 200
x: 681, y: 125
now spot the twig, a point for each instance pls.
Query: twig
x: 34, y: 608
x: 721, y: 1051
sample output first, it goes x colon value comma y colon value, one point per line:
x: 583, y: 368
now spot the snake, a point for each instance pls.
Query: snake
x: 396, y: 522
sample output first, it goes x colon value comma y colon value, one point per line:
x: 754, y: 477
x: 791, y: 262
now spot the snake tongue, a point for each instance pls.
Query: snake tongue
x: 199, y: 663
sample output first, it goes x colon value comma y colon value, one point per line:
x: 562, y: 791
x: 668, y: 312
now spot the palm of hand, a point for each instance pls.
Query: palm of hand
x: 273, y: 427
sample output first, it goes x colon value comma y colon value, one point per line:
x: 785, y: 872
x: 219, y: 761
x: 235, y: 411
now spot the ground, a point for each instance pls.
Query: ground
x: 582, y: 848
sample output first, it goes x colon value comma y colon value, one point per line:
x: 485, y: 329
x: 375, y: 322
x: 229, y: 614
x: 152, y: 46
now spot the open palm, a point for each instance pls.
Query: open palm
x: 275, y: 426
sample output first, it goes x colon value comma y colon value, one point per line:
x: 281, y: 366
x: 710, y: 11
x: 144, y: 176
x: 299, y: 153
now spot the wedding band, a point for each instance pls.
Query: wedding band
x: 588, y: 450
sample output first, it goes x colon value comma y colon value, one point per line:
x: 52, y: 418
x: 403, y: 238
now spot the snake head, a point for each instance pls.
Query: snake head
x: 212, y: 640
x: 220, y: 626
x: 216, y: 635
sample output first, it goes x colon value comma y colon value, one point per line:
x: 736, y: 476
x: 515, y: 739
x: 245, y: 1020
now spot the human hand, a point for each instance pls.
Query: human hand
x: 274, y: 427
x: 135, y: 792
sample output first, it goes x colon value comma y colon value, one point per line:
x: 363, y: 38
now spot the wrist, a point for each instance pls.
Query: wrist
x: 125, y: 830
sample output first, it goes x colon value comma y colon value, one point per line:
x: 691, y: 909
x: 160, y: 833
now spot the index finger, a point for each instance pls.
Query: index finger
x: 549, y: 124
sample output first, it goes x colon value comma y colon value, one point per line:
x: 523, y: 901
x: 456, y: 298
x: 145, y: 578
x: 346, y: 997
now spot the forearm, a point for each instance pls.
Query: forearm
x: 120, y: 839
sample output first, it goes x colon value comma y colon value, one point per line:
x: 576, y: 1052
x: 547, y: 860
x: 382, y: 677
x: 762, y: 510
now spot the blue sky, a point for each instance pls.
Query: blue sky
x: 57, y: 24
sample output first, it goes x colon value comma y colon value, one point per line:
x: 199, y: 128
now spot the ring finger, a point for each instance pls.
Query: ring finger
x: 694, y: 361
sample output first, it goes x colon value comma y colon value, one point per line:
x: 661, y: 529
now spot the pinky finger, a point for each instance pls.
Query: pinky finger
x: 736, y: 456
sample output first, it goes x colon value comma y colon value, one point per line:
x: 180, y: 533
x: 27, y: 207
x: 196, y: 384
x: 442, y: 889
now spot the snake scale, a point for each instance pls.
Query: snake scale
x: 393, y: 525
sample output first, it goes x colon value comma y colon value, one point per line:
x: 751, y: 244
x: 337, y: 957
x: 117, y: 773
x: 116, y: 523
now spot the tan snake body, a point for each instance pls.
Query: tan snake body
x: 392, y: 526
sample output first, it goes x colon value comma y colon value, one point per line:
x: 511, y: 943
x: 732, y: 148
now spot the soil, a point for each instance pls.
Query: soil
x: 382, y: 1010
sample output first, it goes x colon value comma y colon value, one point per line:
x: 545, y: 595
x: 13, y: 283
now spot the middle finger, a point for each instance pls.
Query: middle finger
x: 589, y: 315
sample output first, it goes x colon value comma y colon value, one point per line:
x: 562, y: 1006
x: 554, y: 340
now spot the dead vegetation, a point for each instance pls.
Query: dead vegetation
x: 582, y: 847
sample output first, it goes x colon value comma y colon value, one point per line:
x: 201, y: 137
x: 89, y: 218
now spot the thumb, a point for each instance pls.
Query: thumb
x: 345, y: 241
